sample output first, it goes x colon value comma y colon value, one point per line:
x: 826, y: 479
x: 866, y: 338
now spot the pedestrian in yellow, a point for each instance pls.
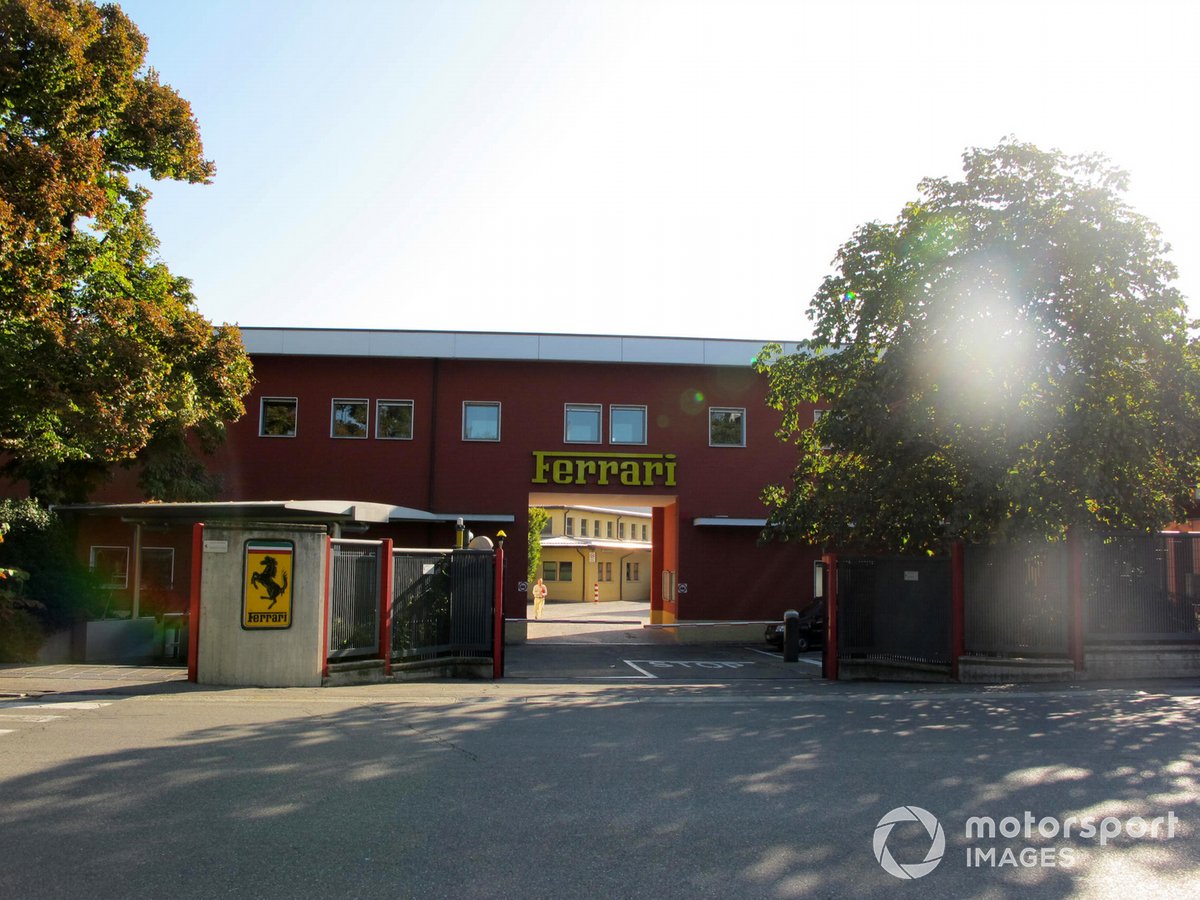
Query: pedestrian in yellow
x: 539, y: 598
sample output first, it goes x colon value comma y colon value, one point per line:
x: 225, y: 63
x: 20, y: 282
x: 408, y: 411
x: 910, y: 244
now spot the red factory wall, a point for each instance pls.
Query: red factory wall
x: 727, y: 575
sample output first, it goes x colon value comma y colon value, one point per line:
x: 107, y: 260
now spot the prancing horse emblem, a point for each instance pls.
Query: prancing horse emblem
x: 265, y: 580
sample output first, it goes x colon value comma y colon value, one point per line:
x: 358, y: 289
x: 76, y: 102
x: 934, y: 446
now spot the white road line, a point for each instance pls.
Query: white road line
x: 634, y: 665
x: 66, y: 704
x: 38, y: 719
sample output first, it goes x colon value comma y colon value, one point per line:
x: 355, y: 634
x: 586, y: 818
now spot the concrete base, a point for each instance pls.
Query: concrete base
x: 370, y: 671
x: 1145, y: 661
x: 993, y: 670
x: 463, y: 667
x: 886, y: 670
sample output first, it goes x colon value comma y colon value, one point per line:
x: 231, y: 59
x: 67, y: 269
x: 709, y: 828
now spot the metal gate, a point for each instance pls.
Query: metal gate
x: 354, y: 598
x: 442, y: 603
x: 894, y: 608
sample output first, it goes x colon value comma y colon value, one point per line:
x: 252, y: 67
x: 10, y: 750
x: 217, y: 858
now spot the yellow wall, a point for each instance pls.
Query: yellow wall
x: 586, y: 562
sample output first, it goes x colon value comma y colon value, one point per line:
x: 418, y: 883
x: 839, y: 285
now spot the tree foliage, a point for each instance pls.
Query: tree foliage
x: 102, y: 351
x: 1009, y: 357
x: 538, y: 517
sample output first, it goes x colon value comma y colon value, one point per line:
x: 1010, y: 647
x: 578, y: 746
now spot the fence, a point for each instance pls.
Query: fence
x: 354, y: 598
x: 1017, y: 600
x: 893, y: 608
x: 442, y: 603
x: 1141, y: 587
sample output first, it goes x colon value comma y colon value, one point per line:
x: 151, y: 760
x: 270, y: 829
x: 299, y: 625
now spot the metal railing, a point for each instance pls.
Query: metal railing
x: 442, y: 603
x: 894, y: 608
x: 354, y: 598
x: 1142, y: 587
x: 1017, y: 600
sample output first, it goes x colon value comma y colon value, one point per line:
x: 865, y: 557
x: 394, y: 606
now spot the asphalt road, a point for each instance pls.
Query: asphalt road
x: 702, y: 786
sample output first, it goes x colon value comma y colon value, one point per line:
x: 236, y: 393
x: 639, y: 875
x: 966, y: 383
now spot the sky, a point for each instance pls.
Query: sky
x: 637, y: 167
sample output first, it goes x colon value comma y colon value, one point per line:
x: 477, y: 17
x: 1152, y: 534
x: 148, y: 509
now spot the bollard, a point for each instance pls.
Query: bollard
x: 791, y: 636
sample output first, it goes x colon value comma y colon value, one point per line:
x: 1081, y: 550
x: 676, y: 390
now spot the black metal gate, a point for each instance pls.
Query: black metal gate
x: 1142, y: 587
x: 1017, y: 600
x: 443, y: 603
x: 354, y: 598
x: 894, y: 608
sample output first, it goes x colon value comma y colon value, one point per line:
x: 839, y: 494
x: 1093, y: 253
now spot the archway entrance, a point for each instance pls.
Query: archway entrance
x: 616, y: 553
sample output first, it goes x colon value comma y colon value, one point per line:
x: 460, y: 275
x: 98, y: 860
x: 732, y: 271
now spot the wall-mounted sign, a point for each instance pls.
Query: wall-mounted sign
x: 267, y: 591
x: 625, y: 469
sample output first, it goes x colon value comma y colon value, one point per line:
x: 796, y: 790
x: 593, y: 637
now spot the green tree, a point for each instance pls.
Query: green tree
x: 1009, y: 357
x: 102, y: 351
x: 538, y: 518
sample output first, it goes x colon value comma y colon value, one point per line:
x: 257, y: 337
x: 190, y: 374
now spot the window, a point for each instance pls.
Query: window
x: 565, y: 571
x: 158, y: 568
x: 583, y: 527
x: 631, y: 571
x: 621, y: 531
x: 644, y: 538
x: 481, y: 421
x: 111, y: 565
x: 277, y: 417
x: 570, y: 526
x: 394, y: 420
x: 548, y: 528
x: 582, y: 424
x: 349, y: 419
x: 726, y: 427
x: 549, y: 571
x: 608, y: 530
x: 604, y: 571
x: 627, y: 424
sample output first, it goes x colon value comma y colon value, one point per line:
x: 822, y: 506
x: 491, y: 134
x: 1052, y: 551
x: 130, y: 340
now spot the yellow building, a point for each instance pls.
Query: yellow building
x: 594, y: 552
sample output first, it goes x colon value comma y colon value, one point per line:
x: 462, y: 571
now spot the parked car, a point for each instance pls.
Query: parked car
x: 812, y: 628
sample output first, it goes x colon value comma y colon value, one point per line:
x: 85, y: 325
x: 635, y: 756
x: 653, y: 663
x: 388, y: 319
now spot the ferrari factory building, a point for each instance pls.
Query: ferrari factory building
x: 403, y: 435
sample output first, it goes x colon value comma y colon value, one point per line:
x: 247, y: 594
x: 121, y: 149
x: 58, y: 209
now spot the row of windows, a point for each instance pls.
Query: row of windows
x: 582, y: 423
x: 111, y: 565
x: 620, y: 532
x: 565, y: 571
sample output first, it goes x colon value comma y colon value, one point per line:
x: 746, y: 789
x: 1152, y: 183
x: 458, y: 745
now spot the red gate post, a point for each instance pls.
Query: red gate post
x: 829, y: 659
x: 1075, y: 590
x: 386, y: 576
x: 498, y: 612
x: 193, y: 647
x: 957, y: 606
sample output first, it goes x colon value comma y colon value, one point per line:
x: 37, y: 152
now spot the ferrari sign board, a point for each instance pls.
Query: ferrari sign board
x: 267, y: 591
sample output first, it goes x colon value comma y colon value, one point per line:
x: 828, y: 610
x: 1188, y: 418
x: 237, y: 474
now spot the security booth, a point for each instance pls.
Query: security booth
x: 275, y: 593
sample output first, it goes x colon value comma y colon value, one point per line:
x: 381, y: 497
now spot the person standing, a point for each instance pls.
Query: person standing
x: 539, y: 598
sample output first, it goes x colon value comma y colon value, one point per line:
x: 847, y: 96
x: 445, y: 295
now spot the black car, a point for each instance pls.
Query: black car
x: 812, y: 627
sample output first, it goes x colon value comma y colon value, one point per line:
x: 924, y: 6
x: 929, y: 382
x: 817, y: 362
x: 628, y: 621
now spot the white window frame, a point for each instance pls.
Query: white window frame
x: 357, y: 401
x: 475, y: 403
x: 262, y: 418
x: 625, y: 407
x: 726, y: 409
x: 597, y: 408
x: 412, y: 419
x: 583, y: 528
x: 110, y: 585
x: 569, y: 527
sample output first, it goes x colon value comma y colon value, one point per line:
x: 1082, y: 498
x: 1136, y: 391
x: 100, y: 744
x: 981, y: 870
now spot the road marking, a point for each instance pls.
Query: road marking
x: 633, y: 665
x: 66, y: 704
x: 19, y: 718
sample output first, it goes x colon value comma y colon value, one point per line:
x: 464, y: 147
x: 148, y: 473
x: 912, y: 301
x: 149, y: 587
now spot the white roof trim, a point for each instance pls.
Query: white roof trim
x: 500, y: 346
x: 730, y: 522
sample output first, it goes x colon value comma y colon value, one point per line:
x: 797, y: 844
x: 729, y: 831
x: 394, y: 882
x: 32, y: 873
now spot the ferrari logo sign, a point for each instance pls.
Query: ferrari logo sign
x: 267, y: 593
